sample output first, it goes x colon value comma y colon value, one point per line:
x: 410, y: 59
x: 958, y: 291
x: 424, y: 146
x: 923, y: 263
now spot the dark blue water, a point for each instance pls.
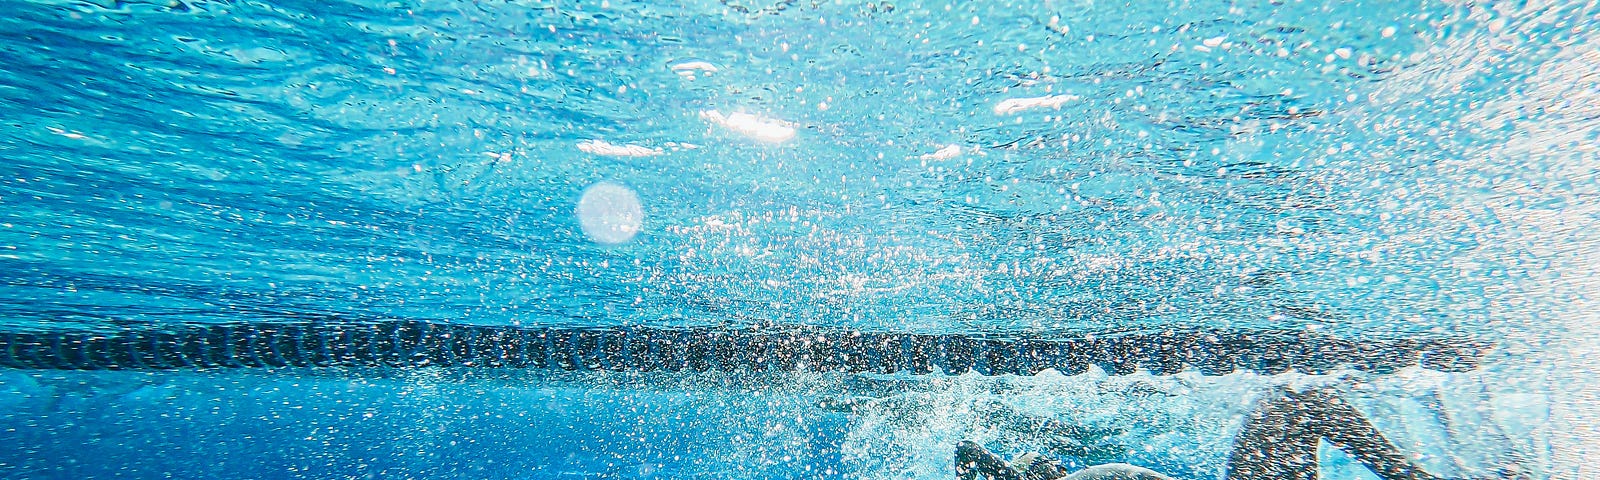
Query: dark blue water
x: 1029, y: 168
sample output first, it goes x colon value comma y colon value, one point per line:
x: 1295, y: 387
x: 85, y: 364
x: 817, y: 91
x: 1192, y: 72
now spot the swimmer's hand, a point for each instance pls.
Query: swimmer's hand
x: 1116, y: 471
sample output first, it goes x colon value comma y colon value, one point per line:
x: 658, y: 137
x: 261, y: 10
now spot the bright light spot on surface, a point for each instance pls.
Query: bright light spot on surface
x: 756, y: 128
x: 602, y: 147
x: 1014, y: 105
x: 609, y: 213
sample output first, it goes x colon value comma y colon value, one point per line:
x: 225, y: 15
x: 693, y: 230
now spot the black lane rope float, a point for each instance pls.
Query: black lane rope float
x: 410, y: 344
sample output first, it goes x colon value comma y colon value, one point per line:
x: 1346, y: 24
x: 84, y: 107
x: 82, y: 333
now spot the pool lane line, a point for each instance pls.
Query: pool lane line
x: 416, y: 344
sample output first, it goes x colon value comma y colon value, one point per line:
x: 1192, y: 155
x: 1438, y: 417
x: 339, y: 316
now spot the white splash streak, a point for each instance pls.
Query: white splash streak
x: 602, y: 147
x: 1014, y: 105
x: 751, y: 126
x: 688, y: 68
x: 948, y: 152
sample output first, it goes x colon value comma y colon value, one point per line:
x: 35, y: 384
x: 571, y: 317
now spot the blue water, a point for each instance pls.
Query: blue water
x: 1031, y: 168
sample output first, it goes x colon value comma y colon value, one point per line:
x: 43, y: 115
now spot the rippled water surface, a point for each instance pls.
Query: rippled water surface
x: 1027, y: 168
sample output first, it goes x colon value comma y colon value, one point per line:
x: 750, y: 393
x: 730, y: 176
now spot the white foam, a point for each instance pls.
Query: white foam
x: 1014, y: 105
x: 602, y: 147
x: 751, y: 126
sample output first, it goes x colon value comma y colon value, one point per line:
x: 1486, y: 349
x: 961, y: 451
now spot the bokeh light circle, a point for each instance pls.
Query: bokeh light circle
x: 610, y: 214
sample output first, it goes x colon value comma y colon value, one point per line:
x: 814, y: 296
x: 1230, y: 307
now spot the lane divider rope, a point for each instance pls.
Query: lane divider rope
x: 410, y: 344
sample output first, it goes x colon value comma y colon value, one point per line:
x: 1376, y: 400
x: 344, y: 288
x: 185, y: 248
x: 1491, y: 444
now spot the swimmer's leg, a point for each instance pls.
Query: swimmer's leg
x: 1273, y: 445
x: 1330, y: 417
x: 1279, y: 440
x: 975, y: 463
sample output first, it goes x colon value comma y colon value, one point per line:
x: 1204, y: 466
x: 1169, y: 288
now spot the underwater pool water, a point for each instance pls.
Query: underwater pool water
x: 1377, y: 173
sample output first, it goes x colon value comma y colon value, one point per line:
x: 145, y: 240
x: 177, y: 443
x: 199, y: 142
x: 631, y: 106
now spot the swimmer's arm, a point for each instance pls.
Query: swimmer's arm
x: 1116, y: 471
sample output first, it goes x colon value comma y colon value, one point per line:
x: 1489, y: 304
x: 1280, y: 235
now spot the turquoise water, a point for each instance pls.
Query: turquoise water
x: 1031, y: 169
